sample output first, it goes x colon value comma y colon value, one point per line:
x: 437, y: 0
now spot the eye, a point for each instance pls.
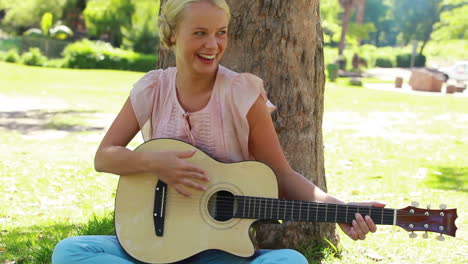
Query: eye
x: 222, y: 32
x: 199, y: 33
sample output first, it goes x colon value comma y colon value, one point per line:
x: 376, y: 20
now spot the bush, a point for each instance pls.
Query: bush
x: 55, y: 63
x: 34, y: 57
x: 100, y: 55
x: 384, y: 62
x: 12, y: 56
x: 404, y: 60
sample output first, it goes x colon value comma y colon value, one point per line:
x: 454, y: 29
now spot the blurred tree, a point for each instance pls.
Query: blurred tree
x: 348, y: 6
x: 24, y: 14
x: 379, y: 13
x: 420, y: 18
x: 453, y: 23
x: 329, y: 11
x: 142, y: 35
x: 105, y: 18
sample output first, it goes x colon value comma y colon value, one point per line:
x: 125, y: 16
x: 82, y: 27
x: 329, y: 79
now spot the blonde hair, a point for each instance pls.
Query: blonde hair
x: 171, y: 15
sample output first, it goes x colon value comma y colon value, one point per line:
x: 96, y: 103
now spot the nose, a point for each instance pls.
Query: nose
x: 211, y: 42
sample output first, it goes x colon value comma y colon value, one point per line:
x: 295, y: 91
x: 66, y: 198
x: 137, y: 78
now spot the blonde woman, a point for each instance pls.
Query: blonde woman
x: 225, y: 113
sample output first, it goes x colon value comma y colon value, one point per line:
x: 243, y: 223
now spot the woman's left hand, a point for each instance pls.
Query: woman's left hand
x: 361, y: 225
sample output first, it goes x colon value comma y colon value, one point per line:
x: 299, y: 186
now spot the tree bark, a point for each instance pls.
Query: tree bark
x: 282, y: 43
x: 344, y: 28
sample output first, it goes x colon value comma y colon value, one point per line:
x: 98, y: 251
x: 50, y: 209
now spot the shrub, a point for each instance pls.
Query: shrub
x: 404, y: 60
x: 12, y: 56
x: 100, y: 55
x: 384, y: 62
x: 34, y: 57
x: 55, y: 63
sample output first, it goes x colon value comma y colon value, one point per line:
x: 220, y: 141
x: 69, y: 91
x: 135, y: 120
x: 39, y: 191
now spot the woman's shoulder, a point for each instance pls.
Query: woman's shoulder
x: 240, y: 81
x: 156, y: 76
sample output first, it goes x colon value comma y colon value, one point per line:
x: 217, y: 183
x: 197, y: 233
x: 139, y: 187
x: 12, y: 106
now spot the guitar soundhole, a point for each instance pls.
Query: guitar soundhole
x: 221, y: 206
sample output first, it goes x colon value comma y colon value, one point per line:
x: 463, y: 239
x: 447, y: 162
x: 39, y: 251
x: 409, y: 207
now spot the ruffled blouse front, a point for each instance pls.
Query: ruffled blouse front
x: 221, y: 128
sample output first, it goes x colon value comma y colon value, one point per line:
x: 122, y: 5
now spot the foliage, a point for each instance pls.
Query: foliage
x: 46, y: 23
x: 101, y: 55
x: 384, y: 62
x: 108, y: 17
x: 453, y: 23
x: 404, y: 60
x: 12, y: 56
x: 27, y: 13
x: 33, y: 57
x: 142, y: 35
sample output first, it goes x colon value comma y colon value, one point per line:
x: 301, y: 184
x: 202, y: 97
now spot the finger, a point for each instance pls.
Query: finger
x: 193, y: 185
x: 182, y: 191
x: 196, y: 173
x: 370, y: 224
x: 356, y: 227
x: 186, y: 154
x: 362, y: 223
x: 353, y: 234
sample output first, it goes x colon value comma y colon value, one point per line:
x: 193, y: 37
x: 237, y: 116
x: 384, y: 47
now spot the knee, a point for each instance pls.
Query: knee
x: 64, y: 251
x: 281, y: 256
x: 293, y: 257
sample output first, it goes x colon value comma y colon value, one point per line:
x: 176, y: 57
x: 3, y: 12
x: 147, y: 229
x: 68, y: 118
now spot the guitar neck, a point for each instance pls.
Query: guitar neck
x: 276, y: 209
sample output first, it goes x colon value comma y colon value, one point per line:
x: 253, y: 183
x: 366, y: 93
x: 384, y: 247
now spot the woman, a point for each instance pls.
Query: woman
x: 225, y: 113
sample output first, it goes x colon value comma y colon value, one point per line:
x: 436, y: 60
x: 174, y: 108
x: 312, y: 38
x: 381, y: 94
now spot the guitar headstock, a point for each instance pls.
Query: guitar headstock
x: 440, y: 221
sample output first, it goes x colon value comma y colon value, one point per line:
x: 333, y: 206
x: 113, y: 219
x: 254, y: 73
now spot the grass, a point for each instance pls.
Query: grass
x: 390, y: 147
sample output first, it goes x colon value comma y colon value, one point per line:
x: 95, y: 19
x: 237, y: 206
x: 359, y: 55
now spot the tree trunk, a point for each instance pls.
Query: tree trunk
x: 344, y: 28
x: 282, y: 43
x: 360, y: 15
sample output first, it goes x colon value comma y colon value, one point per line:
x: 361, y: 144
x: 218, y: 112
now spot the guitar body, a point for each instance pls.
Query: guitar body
x: 189, y: 227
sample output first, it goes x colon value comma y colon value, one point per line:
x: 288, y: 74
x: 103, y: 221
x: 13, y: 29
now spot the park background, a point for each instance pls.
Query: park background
x: 69, y: 65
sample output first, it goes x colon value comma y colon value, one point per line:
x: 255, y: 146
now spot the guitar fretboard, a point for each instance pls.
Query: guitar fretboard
x: 276, y: 209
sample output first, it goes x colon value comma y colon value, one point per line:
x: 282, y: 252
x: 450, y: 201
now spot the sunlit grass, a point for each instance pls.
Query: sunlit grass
x: 383, y: 146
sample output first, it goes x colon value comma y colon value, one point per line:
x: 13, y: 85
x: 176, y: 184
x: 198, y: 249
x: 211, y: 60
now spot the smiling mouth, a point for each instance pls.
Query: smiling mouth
x: 208, y: 57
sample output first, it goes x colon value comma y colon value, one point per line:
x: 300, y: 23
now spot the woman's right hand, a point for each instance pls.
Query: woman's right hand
x: 176, y: 171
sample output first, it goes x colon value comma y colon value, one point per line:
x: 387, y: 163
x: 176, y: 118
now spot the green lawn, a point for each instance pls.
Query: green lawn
x: 385, y: 146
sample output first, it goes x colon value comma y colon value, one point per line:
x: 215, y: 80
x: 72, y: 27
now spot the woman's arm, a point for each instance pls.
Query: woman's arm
x: 112, y: 156
x: 265, y: 147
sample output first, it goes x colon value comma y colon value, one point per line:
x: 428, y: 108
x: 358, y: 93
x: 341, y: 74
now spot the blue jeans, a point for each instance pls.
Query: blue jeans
x: 107, y: 250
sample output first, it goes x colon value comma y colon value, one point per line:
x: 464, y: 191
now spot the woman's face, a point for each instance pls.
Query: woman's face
x: 201, y: 38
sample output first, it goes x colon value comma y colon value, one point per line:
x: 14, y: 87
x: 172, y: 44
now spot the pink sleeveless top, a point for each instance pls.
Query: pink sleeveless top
x: 221, y: 128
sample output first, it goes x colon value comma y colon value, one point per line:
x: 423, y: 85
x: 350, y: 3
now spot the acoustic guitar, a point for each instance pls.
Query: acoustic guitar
x: 155, y: 224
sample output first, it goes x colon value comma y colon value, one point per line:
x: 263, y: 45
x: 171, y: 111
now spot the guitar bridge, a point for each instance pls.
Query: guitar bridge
x: 159, y: 207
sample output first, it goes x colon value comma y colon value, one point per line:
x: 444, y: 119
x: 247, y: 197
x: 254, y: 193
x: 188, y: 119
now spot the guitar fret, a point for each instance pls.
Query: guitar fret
x: 278, y: 209
x: 285, y: 205
x: 300, y: 208
x: 265, y: 212
x: 326, y: 212
x: 316, y: 212
x: 336, y: 212
x: 292, y: 210
x: 347, y: 206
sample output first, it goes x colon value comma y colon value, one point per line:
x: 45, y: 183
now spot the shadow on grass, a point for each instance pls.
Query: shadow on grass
x: 447, y: 178
x: 35, y: 120
x: 35, y: 244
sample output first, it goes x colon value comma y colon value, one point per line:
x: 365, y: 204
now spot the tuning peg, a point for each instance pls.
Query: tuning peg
x: 414, y: 204
x: 441, y: 238
x: 428, y: 206
x: 425, y: 235
x: 443, y: 206
x: 413, y: 235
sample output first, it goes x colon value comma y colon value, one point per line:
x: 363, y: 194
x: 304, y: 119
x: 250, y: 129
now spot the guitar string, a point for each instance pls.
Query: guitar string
x: 322, y: 206
x: 388, y: 215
